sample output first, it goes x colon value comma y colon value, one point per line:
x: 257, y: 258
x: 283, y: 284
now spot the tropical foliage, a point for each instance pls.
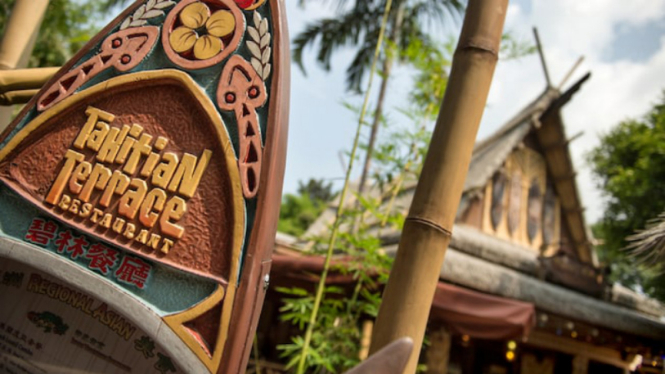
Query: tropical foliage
x: 629, y: 166
x: 356, y: 25
x: 298, y: 211
x: 336, y: 337
x: 67, y: 26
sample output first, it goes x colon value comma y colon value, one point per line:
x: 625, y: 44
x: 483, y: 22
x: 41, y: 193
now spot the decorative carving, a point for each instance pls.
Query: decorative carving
x: 201, y: 33
x: 259, y: 46
x: 534, y: 209
x: 515, y: 201
x: 549, y: 216
x: 139, y: 157
x: 249, y: 4
x: 152, y: 9
x: 177, y: 119
x: 123, y: 50
x: 499, y: 182
x: 242, y: 91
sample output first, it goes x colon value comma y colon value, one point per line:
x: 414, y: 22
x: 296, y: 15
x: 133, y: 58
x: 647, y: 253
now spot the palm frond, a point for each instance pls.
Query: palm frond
x: 648, y: 245
x: 330, y: 34
x: 357, y: 24
x: 361, y: 62
x: 431, y: 12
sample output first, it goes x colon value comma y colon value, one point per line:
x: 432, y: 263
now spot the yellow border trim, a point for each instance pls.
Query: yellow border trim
x: 175, y: 321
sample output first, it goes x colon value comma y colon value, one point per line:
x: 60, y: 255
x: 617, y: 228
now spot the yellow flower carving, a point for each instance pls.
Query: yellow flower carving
x: 202, y: 32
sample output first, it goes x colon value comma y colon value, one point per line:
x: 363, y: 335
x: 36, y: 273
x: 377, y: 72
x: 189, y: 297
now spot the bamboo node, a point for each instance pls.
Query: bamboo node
x: 430, y: 224
x: 479, y: 46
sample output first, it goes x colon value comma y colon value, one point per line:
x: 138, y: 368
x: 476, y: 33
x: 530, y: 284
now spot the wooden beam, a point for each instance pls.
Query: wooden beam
x: 17, y: 97
x: 477, y: 274
x: 571, y: 71
x: 564, y: 143
x: 574, y: 210
x: 438, y: 353
x: 25, y: 79
x: 365, y: 339
x: 564, y: 178
x: 541, y: 53
x: 577, y: 348
x: 580, y: 364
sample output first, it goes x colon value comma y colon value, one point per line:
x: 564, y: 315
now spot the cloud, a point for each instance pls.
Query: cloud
x: 622, y: 86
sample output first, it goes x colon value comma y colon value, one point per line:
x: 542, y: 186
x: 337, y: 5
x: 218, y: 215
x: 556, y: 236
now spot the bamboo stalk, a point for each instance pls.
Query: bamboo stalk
x: 19, y: 39
x: 408, y: 296
x: 25, y: 79
x: 21, y: 33
x: 340, y: 209
x: 17, y: 97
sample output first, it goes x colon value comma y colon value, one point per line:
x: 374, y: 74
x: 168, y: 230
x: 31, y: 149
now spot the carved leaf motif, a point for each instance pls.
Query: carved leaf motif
x: 265, y: 57
x: 152, y: 13
x: 149, y: 10
x: 256, y: 64
x: 138, y: 23
x: 259, y: 46
x: 139, y: 12
x: 254, y: 48
x: 263, y: 27
x: 265, y: 40
x: 164, y: 4
x: 253, y: 33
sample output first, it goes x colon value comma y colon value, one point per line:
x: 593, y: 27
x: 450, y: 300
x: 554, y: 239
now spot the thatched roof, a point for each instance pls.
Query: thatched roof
x: 486, y: 263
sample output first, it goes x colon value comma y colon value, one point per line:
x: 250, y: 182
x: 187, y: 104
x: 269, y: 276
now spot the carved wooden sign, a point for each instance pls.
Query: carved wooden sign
x: 145, y: 177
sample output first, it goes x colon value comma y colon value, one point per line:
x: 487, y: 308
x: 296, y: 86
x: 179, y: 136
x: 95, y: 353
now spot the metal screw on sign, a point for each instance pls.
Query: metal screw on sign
x: 266, y: 282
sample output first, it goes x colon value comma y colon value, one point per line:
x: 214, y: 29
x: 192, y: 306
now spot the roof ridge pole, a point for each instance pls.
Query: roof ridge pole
x: 408, y: 296
x: 542, y: 57
x: 571, y: 71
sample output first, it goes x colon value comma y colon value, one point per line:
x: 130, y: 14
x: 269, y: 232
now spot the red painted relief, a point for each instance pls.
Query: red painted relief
x: 241, y: 90
x: 123, y: 50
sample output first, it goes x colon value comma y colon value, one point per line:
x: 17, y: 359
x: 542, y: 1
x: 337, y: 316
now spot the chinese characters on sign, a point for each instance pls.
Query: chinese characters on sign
x: 103, y: 259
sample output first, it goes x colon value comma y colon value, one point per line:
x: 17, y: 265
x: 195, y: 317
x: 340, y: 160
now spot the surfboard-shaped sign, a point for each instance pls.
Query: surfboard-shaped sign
x: 140, y: 191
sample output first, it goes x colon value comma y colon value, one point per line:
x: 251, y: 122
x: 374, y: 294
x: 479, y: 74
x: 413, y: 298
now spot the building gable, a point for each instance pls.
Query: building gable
x: 521, y: 185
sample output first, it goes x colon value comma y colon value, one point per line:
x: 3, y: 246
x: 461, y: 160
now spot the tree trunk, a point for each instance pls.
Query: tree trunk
x: 408, y: 296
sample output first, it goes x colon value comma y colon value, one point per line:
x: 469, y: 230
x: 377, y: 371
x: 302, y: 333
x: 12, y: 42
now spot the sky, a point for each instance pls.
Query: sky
x: 623, y: 44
